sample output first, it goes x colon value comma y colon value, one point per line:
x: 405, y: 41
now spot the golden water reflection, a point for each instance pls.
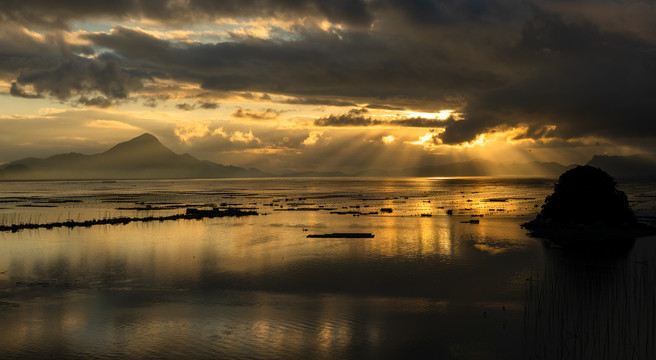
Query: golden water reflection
x: 257, y: 287
x: 154, y: 254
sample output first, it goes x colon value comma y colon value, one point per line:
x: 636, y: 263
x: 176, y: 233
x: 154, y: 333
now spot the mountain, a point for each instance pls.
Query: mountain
x: 14, y: 171
x: 626, y: 166
x: 143, y: 157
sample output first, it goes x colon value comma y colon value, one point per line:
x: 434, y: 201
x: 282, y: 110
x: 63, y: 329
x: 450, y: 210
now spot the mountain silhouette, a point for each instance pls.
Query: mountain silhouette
x: 626, y: 166
x: 143, y: 157
x: 490, y: 168
x: 477, y: 167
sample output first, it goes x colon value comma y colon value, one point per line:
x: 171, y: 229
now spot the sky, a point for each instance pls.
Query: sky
x: 330, y: 85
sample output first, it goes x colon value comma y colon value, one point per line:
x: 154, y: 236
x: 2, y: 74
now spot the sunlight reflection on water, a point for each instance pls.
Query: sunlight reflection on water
x: 256, y: 287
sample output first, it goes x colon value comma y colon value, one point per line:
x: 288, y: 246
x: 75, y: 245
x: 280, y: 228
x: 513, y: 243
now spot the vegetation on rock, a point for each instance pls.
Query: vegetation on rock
x: 587, y: 197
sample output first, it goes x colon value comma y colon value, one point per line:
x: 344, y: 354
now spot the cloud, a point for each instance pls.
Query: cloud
x: 243, y: 137
x: 185, y: 106
x: 319, y: 101
x: 429, y: 139
x: 111, y: 124
x: 584, y: 82
x: 357, y: 117
x: 188, y: 130
x: 208, y: 105
x: 54, y: 64
x: 17, y: 91
x: 354, y: 117
x: 220, y: 132
x: 150, y: 102
x: 98, y: 101
x: 384, y: 107
x: 313, y: 68
x: 423, y: 123
x: 558, y: 70
x: 268, y: 114
x: 313, y: 137
x: 388, y: 139
x: 309, y: 66
x: 80, y: 76
x: 60, y: 13
x: 441, y: 13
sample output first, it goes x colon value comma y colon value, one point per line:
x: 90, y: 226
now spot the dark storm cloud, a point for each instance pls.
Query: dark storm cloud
x: 317, y: 68
x: 78, y: 75
x: 354, y: 12
x: 509, y: 63
x: 60, y: 12
x: 357, y: 117
x: 445, y: 12
x: 53, y: 67
x: 137, y: 45
x: 587, y: 83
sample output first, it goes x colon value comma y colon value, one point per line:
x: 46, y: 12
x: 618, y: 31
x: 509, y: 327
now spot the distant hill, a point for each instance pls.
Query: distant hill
x: 478, y: 168
x: 626, y: 166
x: 314, y: 174
x: 490, y: 168
x: 143, y: 157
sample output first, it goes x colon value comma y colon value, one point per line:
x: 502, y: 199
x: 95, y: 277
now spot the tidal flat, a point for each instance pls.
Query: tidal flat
x: 430, y: 283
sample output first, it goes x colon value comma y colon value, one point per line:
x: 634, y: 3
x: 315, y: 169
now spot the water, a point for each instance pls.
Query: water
x: 256, y: 287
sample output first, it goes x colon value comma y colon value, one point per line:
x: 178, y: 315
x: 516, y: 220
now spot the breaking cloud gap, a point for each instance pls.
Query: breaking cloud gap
x: 541, y: 65
x: 587, y: 83
x: 357, y: 117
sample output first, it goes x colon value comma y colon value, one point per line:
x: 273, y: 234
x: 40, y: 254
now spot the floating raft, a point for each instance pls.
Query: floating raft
x: 353, y: 212
x: 342, y: 235
x: 471, y: 222
x: 191, y: 214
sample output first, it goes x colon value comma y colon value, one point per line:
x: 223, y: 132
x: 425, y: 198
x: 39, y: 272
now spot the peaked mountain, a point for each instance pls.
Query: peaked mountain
x: 143, y: 157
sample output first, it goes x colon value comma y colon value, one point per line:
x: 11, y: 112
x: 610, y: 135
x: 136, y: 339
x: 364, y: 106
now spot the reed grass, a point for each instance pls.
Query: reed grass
x: 591, y: 308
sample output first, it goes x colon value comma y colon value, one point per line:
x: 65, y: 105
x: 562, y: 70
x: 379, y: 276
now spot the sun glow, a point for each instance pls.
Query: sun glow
x: 440, y: 115
x: 430, y: 139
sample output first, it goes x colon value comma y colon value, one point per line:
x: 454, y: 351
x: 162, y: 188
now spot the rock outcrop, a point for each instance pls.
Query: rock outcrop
x: 587, y: 204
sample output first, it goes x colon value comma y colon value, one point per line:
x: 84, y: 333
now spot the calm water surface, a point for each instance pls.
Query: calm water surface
x: 256, y: 287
